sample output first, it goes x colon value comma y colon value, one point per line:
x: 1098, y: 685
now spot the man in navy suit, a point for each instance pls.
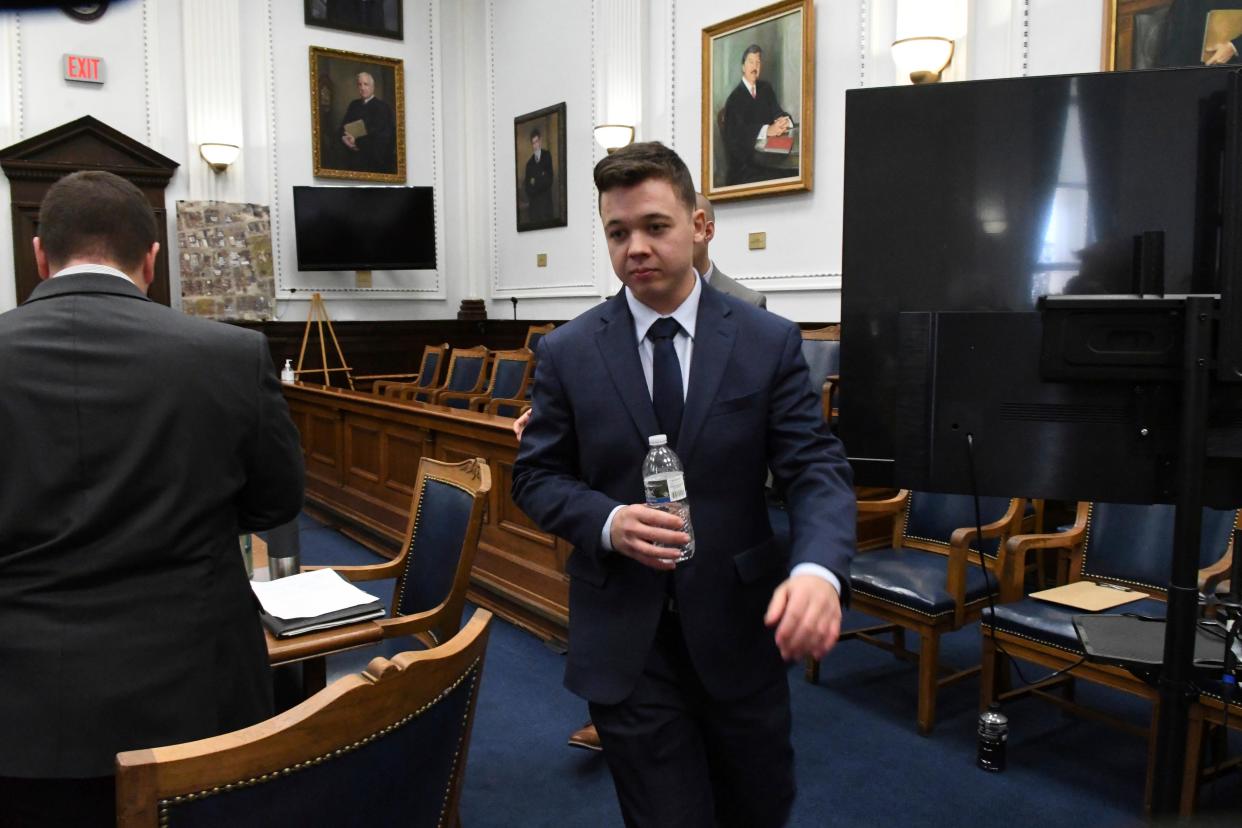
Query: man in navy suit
x: 682, y: 663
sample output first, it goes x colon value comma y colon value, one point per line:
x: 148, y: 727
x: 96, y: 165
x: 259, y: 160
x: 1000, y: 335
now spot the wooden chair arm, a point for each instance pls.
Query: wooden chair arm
x: 890, y: 505
x: 1213, y: 575
x: 468, y: 396
x: 1011, y: 562
x: 385, y: 376
x: 962, y: 536
x: 496, y: 402
x: 370, y: 572
x: 413, y: 625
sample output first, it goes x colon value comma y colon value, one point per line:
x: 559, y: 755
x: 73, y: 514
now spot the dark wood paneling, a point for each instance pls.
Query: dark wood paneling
x: 375, y: 446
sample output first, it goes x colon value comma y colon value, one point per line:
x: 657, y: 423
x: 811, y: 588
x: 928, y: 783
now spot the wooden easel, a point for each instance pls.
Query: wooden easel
x: 319, y: 317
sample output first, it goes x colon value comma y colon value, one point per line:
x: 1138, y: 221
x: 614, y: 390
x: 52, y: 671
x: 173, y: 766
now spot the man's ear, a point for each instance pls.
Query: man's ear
x: 148, y: 266
x: 709, y: 231
x: 698, y: 220
x: 41, y: 259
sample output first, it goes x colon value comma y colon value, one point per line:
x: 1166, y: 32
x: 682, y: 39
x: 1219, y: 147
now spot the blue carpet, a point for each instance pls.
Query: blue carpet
x: 859, y: 758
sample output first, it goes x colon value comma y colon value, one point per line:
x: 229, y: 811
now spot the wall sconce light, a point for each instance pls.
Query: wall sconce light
x: 613, y: 137
x: 219, y: 156
x: 925, y: 57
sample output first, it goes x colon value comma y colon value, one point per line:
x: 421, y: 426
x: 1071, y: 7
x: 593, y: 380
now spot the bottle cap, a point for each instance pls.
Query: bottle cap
x: 657, y: 440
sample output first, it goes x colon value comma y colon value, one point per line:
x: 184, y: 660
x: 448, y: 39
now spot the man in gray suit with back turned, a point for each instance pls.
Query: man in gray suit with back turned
x: 136, y: 443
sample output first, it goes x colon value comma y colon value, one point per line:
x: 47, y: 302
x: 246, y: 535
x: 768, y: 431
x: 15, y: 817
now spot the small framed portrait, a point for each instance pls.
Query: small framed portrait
x: 372, y: 17
x: 539, y: 168
x: 357, y: 116
x: 1152, y: 34
x: 759, y: 102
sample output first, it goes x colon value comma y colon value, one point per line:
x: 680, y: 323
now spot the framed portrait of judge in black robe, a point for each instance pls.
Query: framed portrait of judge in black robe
x: 1156, y: 34
x: 357, y: 116
x: 539, y: 168
x: 759, y: 102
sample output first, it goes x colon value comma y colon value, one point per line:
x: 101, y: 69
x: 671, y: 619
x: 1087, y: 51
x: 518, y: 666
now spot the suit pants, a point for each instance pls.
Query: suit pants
x: 680, y: 757
x: 64, y: 803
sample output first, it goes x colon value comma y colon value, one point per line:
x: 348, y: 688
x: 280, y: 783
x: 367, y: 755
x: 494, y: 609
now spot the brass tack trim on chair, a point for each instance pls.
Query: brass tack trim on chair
x: 1086, y: 547
x: 471, y: 672
x: 418, y: 515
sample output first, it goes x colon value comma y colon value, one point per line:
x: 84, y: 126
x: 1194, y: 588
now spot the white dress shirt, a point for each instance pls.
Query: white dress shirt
x: 92, y: 268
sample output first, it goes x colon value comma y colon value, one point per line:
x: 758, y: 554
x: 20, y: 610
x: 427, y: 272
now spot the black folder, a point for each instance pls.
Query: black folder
x: 288, y: 627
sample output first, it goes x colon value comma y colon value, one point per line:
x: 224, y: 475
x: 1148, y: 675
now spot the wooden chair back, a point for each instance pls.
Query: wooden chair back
x: 465, y: 373
x: 441, y: 538
x: 535, y: 333
x: 821, y: 348
x: 384, y: 747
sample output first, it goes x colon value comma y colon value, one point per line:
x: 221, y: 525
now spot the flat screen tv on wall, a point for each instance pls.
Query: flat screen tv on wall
x: 365, y: 228
x: 973, y: 208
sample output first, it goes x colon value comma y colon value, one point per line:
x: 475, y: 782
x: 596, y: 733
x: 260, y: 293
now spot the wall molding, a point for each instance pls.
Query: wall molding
x: 494, y: 265
x: 148, y: 99
x: 17, y: 98
x: 437, y: 290
x: 273, y: 167
x: 864, y: 31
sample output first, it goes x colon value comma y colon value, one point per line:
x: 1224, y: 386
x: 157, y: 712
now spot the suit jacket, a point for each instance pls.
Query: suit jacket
x: 726, y: 285
x: 748, y: 406
x: 744, y: 117
x: 537, y: 184
x: 135, y: 444
x: 377, y: 150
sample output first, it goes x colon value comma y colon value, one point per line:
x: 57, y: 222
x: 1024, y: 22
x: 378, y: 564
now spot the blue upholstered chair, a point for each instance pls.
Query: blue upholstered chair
x: 511, y: 373
x: 1127, y: 545
x: 927, y: 579
x: 430, y: 367
x: 441, y: 538
x: 821, y: 348
x: 384, y: 747
x: 535, y: 333
x: 466, y: 373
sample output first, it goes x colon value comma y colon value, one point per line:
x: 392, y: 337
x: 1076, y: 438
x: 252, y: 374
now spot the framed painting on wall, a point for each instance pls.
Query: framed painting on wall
x: 1150, y: 34
x: 539, y: 168
x: 357, y: 116
x: 759, y: 102
x: 373, y: 17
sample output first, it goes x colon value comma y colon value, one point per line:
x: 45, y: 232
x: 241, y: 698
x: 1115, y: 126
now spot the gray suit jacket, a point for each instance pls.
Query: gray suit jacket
x: 724, y: 284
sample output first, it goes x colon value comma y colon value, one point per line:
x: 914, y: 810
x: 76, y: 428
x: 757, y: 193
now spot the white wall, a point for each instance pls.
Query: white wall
x: 470, y: 67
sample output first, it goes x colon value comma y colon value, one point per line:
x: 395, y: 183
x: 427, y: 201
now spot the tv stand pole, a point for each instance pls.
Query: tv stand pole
x: 1177, y: 688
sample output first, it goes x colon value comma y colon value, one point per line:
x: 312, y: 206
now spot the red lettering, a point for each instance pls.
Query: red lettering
x: 93, y: 72
x: 73, y: 67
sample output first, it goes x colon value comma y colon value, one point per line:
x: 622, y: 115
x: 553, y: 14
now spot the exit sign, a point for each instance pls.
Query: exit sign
x: 84, y: 68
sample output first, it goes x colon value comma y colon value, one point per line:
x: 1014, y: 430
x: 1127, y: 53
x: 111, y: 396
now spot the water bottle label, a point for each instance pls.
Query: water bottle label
x: 665, y: 488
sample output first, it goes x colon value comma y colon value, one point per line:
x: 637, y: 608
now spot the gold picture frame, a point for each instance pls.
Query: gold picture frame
x: 338, y: 108
x: 742, y: 101
x: 1150, y: 34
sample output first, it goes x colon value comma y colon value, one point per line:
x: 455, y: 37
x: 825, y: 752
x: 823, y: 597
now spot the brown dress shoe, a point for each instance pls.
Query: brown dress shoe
x: 586, y: 737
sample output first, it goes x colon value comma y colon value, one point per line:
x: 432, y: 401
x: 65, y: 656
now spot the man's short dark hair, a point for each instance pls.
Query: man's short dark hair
x: 96, y: 216
x: 752, y: 49
x: 535, y: 133
x: 639, y: 162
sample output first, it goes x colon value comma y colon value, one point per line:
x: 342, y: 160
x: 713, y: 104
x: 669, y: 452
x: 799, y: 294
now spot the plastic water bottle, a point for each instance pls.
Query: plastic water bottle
x: 993, y: 733
x: 286, y: 373
x: 664, y: 483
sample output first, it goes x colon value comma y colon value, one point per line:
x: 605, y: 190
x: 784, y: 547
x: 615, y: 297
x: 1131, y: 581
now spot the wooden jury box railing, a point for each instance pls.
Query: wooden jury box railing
x: 362, y: 455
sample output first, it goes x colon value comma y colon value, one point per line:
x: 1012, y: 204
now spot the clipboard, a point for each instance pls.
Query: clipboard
x: 1089, y: 596
x: 1222, y: 26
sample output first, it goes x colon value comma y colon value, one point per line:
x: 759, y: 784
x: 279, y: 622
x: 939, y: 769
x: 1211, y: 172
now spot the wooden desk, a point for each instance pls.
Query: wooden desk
x: 362, y: 455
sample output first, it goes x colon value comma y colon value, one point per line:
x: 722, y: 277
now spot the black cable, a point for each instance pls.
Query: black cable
x: 987, y: 584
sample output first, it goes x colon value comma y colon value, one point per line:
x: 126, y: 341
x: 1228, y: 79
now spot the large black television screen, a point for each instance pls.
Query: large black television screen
x: 965, y: 203
x: 365, y: 228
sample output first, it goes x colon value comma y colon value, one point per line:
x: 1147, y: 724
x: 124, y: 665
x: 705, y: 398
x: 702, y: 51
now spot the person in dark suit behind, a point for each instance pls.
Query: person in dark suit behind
x: 135, y: 444
x: 376, y: 151
x: 706, y: 266
x: 752, y: 114
x: 682, y: 664
x: 537, y: 182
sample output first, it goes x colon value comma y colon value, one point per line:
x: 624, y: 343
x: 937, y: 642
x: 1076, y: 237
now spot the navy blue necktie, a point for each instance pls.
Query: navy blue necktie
x: 666, y: 390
